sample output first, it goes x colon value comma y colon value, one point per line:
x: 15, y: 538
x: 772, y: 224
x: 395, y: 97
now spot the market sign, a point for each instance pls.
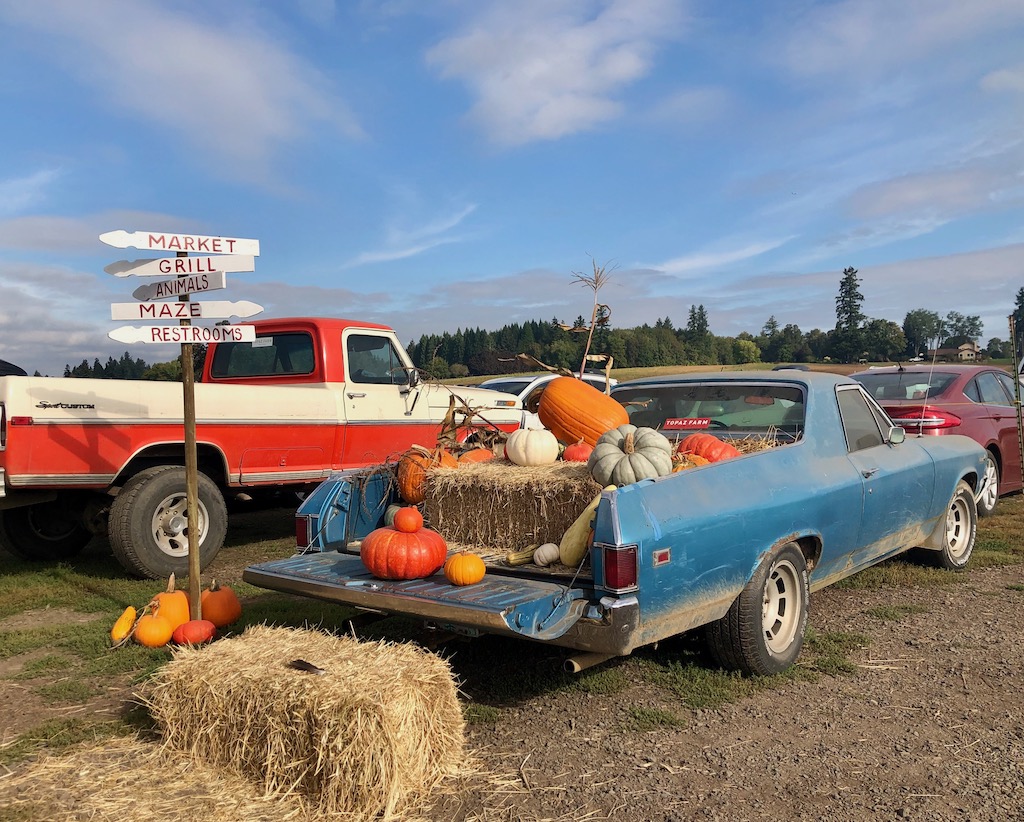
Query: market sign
x: 187, y: 243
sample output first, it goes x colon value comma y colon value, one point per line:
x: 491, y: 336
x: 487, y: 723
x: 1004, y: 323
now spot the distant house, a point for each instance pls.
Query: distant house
x: 968, y: 352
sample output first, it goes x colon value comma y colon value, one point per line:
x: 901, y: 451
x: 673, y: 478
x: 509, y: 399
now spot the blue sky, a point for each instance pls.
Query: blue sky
x: 437, y: 165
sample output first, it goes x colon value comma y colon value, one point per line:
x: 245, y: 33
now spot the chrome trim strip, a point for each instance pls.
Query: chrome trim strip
x: 28, y: 480
x: 286, y: 476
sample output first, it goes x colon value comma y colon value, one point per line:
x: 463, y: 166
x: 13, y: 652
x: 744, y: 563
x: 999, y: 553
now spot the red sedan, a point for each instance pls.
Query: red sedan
x: 978, y: 401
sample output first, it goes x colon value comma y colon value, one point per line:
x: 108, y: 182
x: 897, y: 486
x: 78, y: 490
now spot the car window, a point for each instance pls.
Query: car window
x: 985, y: 388
x: 906, y: 385
x: 269, y: 355
x: 860, y: 424
x: 1006, y: 381
x: 740, y: 408
x: 505, y: 386
x: 374, y: 360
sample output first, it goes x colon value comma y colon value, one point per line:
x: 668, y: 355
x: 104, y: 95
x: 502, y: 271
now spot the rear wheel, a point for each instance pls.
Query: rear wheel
x: 149, y: 523
x: 989, y: 496
x: 763, y: 632
x: 52, y: 530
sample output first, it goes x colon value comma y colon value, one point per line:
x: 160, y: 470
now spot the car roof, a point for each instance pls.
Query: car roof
x: 928, y: 368
x: 786, y: 376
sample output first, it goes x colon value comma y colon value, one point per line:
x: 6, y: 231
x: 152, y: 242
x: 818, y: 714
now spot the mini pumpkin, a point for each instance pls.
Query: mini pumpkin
x: 194, y: 632
x: 532, y: 446
x: 476, y: 455
x: 153, y: 629
x: 174, y: 604
x: 578, y: 452
x: 464, y: 568
x: 408, y: 519
x: 709, y: 447
x: 220, y: 605
x: 628, y: 454
x: 545, y: 554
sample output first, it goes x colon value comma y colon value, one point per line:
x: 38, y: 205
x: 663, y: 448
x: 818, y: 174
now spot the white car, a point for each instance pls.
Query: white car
x: 529, y: 387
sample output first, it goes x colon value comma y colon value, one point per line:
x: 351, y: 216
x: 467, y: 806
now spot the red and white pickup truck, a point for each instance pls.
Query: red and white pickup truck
x: 308, y: 397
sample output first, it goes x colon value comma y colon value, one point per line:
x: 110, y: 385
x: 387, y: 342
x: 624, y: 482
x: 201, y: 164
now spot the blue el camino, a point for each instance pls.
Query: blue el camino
x: 734, y: 547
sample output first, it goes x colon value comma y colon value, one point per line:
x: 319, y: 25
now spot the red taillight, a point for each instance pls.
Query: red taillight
x: 620, y: 568
x: 923, y: 417
x: 22, y: 420
x: 302, y: 532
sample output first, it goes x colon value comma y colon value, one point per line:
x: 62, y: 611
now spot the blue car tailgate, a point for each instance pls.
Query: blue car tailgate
x: 512, y: 605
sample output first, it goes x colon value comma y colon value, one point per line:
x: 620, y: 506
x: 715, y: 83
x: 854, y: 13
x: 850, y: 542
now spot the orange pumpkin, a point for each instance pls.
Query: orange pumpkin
x: 708, y: 446
x: 173, y: 604
x: 194, y: 632
x: 153, y: 629
x: 391, y: 554
x: 412, y: 470
x: 220, y: 605
x: 408, y: 519
x: 578, y: 452
x: 476, y: 455
x: 464, y: 568
x: 574, y: 410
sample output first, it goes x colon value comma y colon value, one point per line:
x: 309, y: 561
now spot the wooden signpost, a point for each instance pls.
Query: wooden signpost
x: 192, y: 274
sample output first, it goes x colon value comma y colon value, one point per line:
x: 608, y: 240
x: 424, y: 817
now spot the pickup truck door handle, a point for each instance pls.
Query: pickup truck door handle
x: 353, y: 395
x: 868, y: 473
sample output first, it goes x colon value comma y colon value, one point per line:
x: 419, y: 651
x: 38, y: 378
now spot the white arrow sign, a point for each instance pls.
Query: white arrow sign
x: 157, y: 240
x: 182, y: 266
x: 211, y: 310
x: 185, y: 285
x: 164, y: 334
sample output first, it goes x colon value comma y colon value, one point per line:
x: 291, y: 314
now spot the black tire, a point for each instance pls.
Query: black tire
x: 961, y: 531
x: 148, y: 523
x: 48, y: 531
x: 763, y: 632
x: 989, y: 496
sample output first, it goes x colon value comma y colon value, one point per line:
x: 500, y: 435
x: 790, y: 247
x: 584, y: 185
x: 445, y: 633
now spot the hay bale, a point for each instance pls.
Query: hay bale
x: 375, y: 732
x: 506, y: 507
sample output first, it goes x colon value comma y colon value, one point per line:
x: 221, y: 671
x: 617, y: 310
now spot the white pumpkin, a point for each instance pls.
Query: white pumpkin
x: 532, y: 446
x: 545, y: 554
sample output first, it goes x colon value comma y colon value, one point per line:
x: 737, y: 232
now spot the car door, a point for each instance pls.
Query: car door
x: 1009, y: 440
x: 384, y: 413
x: 897, y: 479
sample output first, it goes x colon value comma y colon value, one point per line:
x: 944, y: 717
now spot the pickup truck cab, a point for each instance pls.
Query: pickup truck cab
x: 308, y: 397
x: 735, y: 546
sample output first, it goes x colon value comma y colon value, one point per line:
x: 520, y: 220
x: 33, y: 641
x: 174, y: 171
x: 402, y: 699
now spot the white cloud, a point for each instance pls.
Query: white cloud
x: 714, y: 259
x: 232, y: 92
x: 402, y: 243
x: 21, y: 193
x: 1007, y: 79
x: 543, y: 69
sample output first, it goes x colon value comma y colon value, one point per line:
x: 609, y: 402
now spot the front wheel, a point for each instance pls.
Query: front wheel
x: 763, y: 631
x: 53, y: 530
x: 989, y: 496
x: 149, y: 523
x: 961, y: 530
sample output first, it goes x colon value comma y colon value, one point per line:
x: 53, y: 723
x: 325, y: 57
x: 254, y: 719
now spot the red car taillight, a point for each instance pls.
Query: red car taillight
x: 922, y: 417
x: 620, y: 571
x: 302, y: 531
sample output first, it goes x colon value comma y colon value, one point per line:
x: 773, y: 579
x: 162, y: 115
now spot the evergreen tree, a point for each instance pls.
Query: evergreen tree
x: 847, y: 342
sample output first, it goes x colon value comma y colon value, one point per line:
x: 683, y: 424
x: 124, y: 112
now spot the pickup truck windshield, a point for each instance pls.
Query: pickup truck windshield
x: 745, y: 409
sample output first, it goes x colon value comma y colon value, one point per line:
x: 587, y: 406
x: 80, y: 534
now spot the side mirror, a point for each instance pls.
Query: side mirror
x: 413, y: 375
x: 897, y: 435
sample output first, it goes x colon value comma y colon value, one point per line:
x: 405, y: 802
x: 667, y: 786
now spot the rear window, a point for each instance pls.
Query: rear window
x: 742, y: 409
x: 269, y: 355
x: 508, y: 387
x: 907, y: 385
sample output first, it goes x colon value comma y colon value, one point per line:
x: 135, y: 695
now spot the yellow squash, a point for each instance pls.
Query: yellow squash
x: 573, y: 545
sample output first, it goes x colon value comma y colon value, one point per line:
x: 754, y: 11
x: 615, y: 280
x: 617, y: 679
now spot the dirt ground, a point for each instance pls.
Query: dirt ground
x: 929, y: 727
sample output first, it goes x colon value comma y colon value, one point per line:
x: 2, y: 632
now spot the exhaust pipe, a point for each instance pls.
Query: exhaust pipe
x: 580, y: 662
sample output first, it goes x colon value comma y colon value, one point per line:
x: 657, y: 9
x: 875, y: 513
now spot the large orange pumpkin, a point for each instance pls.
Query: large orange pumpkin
x: 391, y: 554
x: 413, y: 467
x: 573, y: 410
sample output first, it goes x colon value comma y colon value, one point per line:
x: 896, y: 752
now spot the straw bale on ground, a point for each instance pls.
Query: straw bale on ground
x: 372, y: 734
x: 504, y: 506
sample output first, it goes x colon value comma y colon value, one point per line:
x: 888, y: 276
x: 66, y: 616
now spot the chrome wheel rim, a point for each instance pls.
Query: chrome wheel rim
x: 781, y: 607
x: 958, y: 528
x: 170, y: 525
x: 989, y: 486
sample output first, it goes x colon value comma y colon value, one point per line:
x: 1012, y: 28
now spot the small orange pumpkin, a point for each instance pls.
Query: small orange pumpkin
x: 174, y: 604
x: 408, y: 519
x: 464, y: 568
x: 476, y: 455
x: 153, y: 629
x: 578, y: 452
x: 708, y: 446
x: 220, y: 605
x: 194, y: 632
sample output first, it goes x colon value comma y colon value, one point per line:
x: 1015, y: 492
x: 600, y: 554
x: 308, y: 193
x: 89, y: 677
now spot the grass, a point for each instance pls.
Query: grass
x: 55, y: 619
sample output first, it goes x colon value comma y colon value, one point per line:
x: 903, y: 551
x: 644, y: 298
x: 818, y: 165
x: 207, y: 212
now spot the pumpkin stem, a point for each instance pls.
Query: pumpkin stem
x: 627, y: 446
x: 170, y: 583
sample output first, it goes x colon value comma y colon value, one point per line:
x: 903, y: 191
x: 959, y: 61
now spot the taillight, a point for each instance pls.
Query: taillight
x: 620, y: 569
x: 22, y: 421
x: 302, y: 532
x: 923, y: 417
